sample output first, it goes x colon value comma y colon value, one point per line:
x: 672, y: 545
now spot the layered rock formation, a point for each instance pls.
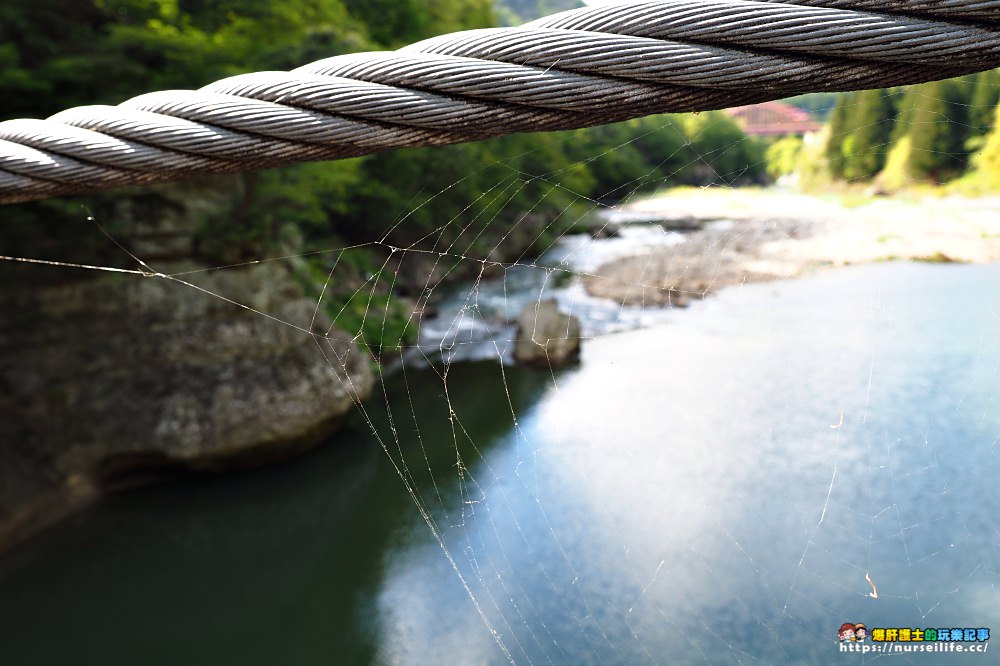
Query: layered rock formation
x: 116, y: 381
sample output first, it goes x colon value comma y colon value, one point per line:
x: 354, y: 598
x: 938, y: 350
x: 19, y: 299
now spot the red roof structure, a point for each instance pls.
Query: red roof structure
x: 772, y: 118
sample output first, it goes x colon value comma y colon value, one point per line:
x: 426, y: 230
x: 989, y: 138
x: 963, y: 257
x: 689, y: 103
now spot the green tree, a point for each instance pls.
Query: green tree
x: 939, y: 129
x: 918, y: 133
x: 783, y: 156
x: 632, y: 156
x: 720, y: 152
x: 988, y: 161
x: 861, y: 125
x: 840, y: 127
x: 494, y: 200
x: 864, y: 148
x: 983, y: 102
x: 47, y: 56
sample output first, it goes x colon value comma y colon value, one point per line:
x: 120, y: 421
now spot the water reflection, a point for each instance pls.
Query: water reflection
x: 680, y: 497
x: 197, y: 572
x: 274, y: 566
x: 690, y: 493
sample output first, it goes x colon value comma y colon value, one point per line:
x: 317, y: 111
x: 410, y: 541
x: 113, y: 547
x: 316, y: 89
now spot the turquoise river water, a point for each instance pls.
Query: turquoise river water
x: 713, y: 488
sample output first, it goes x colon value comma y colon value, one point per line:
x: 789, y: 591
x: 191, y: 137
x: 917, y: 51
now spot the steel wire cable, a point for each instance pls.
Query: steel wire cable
x: 575, y: 69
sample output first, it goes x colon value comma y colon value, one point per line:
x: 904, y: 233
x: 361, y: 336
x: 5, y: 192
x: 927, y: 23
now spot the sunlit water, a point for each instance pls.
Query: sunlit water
x: 689, y: 494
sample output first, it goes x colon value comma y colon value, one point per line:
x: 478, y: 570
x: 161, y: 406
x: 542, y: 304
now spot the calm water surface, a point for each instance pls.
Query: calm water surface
x: 681, y: 497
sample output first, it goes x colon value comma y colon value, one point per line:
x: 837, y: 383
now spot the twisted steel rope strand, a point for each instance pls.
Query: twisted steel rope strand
x: 575, y: 69
x: 985, y: 11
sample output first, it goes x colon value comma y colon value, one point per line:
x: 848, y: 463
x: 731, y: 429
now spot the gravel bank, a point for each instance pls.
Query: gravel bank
x: 761, y: 235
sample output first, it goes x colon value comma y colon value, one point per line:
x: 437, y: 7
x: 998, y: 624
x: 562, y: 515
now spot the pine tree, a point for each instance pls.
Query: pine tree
x: 864, y: 149
x: 839, y: 128
x: 988, y: 161
x: 939, y: 129
x: 982, y: 106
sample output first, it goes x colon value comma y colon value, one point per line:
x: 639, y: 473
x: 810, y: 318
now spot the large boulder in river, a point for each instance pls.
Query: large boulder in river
x: 546, y: 336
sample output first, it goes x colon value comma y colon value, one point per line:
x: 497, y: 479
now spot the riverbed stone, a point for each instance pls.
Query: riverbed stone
x: 547, y: 336
x: 764, y: 235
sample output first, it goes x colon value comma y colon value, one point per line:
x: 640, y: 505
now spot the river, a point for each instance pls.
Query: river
x: 709, y: 487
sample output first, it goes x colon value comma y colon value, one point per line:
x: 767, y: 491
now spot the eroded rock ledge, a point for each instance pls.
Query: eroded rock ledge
x: 111, y: 380
x: 114, y: 381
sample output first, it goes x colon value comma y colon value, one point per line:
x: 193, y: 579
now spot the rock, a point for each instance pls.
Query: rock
x: 710, y: 259
x: 877, y: 189
x: 118, y: 381
x: 109, y: 381
x: 546, y: 336
x: 596, y: 225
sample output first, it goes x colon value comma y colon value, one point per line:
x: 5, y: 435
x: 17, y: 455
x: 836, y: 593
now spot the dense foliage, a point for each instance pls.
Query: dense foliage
x: 499, y: 199
x: 988, y: 161
x: 927, y: 133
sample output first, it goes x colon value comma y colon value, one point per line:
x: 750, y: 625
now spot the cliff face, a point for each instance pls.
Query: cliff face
x: 118, y: 380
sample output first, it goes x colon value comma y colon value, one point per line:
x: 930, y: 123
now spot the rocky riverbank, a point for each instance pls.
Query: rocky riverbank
x: 110, y: 381
x: 760, y: 235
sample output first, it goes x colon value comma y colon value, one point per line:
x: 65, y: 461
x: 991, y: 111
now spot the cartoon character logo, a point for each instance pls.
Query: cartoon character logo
x: 860, y: 632
x: 846, y: 633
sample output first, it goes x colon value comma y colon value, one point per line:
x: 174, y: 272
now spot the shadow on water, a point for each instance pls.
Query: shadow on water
x: 272, y: 566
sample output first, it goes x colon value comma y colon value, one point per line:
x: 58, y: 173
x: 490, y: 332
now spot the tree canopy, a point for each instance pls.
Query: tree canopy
x: 56, y: 54
x: 924, y: 133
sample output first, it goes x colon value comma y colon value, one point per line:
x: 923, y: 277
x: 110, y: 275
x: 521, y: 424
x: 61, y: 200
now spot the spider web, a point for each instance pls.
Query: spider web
x: 718, y: 478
